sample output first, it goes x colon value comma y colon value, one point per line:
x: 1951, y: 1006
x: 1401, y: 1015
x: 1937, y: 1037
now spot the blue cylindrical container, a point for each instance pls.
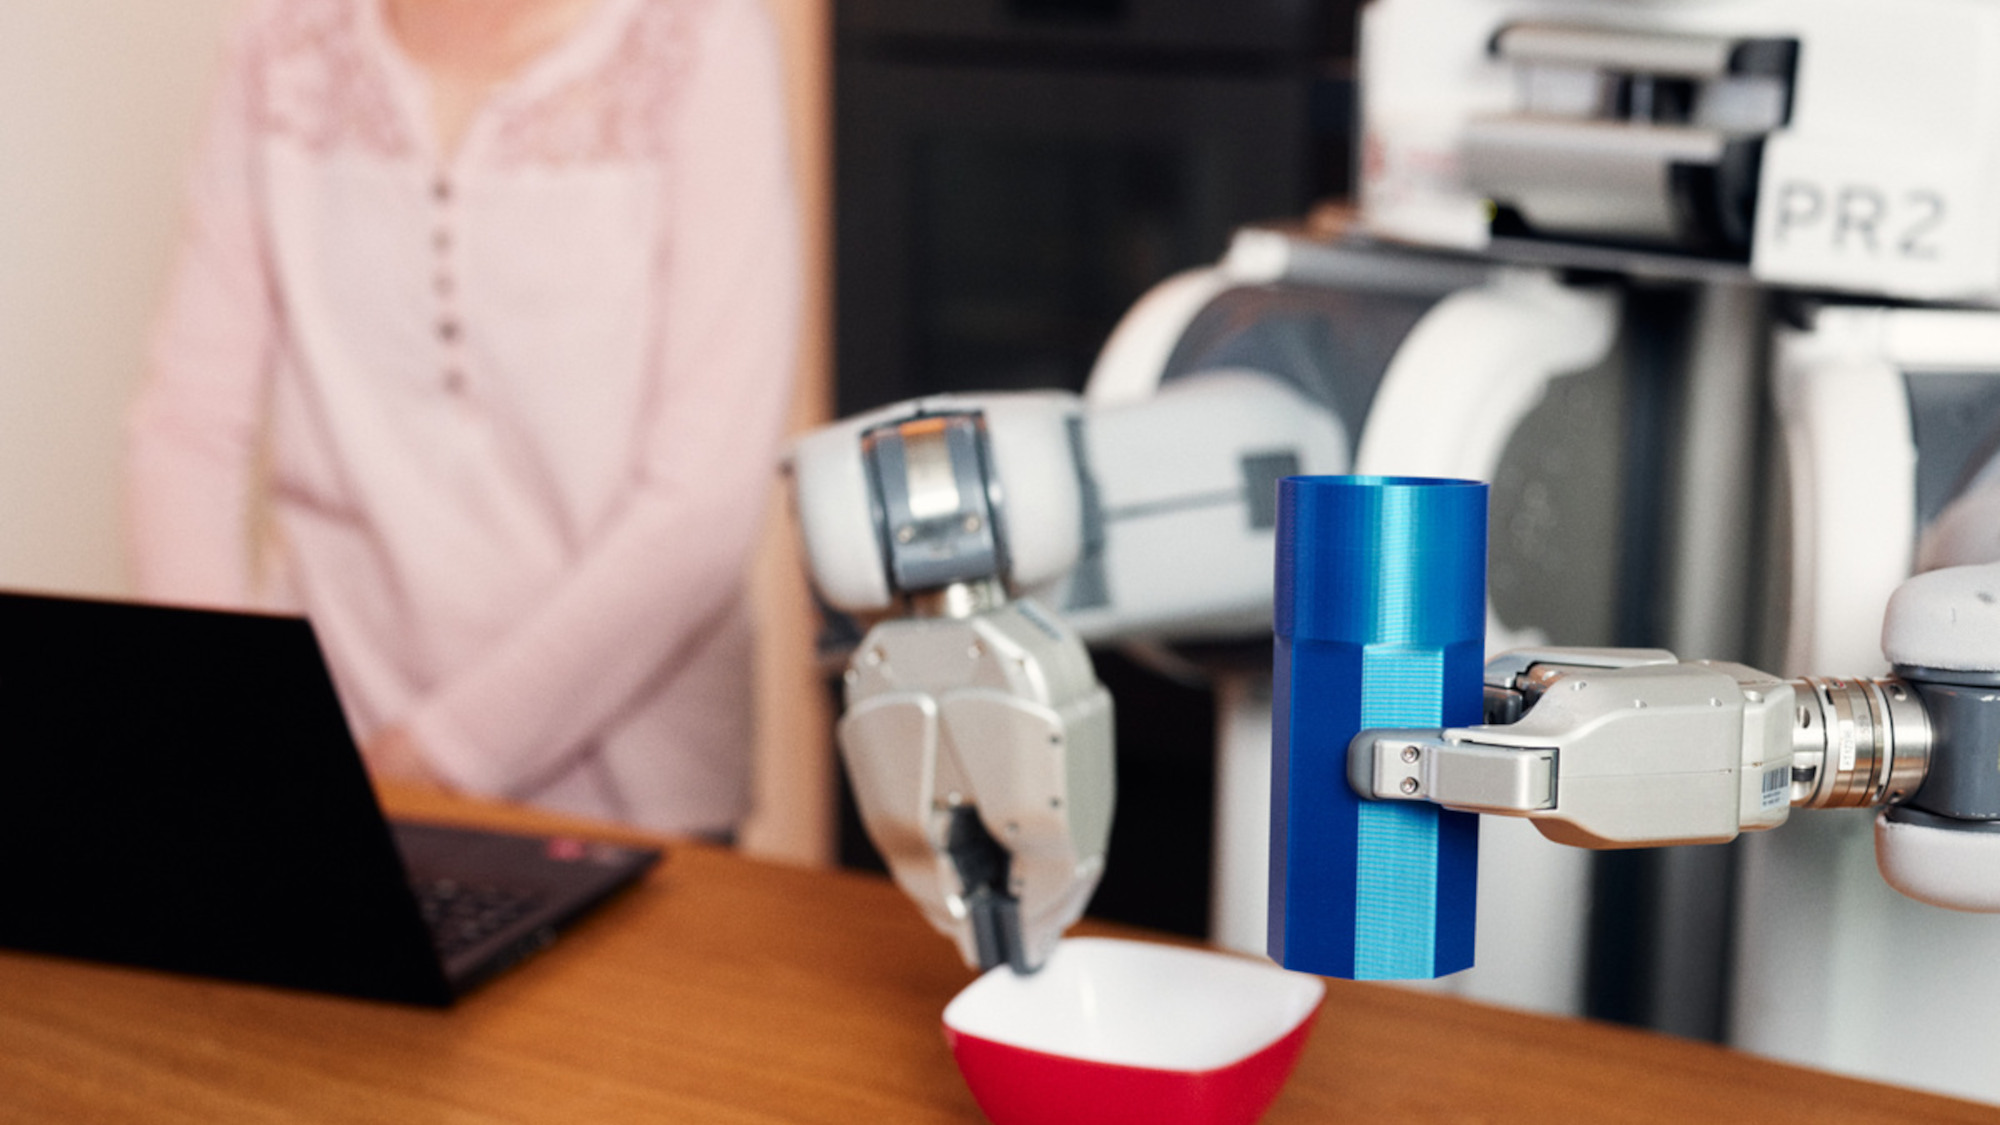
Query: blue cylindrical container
x: 1380, y: 622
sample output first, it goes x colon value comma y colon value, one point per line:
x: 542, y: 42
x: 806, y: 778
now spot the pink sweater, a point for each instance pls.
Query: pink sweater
x: 513, y: 417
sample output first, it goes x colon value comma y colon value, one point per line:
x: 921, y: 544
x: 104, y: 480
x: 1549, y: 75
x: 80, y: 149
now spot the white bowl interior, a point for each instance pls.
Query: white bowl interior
x: 1138, y: 1004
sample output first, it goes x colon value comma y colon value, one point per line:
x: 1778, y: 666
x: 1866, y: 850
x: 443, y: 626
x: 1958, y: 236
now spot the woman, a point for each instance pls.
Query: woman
x: 478, y: 350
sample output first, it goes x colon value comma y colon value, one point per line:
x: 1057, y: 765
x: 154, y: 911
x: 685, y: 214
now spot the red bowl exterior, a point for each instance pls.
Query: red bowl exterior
x: 1018, y: 1086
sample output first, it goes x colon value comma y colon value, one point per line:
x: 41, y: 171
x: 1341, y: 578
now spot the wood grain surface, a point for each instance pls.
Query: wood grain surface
x: 728, y: 990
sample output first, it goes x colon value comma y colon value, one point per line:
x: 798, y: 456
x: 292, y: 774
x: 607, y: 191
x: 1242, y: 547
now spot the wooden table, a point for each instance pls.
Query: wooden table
x: 725, y: 990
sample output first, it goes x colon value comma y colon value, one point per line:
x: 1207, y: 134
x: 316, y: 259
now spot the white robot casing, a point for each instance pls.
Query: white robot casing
x: 1028, y: 438
x: 1155, y: 500
x: 1870, y: 186
x: 1949, y: 620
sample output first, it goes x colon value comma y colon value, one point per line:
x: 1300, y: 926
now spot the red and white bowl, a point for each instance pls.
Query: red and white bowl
x: 1124, y: 1031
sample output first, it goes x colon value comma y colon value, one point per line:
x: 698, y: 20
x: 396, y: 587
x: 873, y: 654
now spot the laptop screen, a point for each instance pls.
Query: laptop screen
x: 179, y: 790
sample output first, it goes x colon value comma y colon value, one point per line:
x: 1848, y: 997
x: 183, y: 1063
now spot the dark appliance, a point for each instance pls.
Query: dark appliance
x: 1010, y: 176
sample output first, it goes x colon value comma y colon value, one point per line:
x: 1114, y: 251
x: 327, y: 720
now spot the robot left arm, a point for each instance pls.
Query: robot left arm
x: 1609, y: 748
x: 976, y: 736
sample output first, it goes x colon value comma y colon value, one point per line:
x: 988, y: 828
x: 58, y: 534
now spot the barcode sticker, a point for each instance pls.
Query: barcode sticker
x: 1777, y: 787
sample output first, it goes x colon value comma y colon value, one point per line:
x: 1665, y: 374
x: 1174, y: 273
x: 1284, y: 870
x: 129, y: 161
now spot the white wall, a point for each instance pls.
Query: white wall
x: 1836, y: 970
x: 100, y: 101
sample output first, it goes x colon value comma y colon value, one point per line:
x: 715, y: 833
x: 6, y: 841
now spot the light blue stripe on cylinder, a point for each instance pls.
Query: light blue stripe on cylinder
x: 1396, y: 858
x: 1395, y: 896
x: 1400, y: 686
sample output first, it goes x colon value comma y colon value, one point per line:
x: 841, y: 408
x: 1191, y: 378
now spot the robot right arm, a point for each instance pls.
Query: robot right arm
x: 976, y: 736
x: 1608, y: 748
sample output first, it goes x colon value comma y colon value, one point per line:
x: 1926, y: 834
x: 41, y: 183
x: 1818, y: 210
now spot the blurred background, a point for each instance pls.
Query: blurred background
x: 989, y: 186
x: 103, y: 101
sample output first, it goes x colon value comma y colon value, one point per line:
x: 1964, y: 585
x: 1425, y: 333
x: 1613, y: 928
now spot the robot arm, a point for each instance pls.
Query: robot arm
x: 1631, y: 748
x: 976, y: 736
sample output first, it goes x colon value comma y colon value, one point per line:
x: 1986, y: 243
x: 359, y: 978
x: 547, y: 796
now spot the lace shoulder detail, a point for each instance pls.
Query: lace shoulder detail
x: 316, y: 82
x: 618, y: 110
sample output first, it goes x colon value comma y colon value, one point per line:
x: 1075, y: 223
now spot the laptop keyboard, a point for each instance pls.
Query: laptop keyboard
x: 461, y: 915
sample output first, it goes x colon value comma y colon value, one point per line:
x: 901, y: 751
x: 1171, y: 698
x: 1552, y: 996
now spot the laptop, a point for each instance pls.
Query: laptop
x: 179, y: 790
